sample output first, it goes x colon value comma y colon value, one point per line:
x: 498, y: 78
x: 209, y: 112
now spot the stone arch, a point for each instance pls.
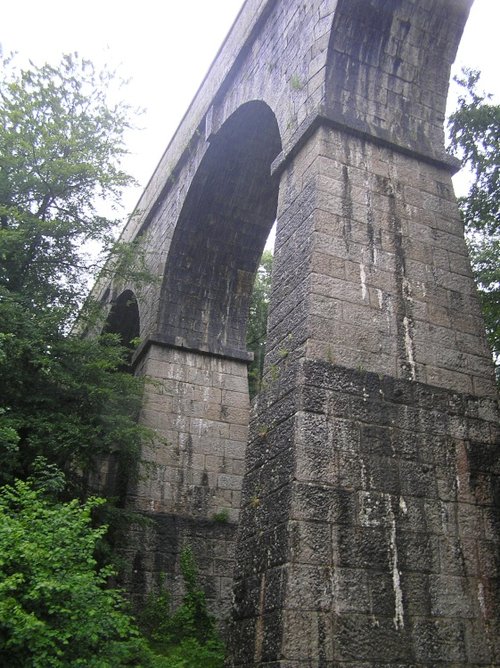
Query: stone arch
x: 111, y: 474
x: 220, y: 235
x: 124, y: 319
x: 389, y: 68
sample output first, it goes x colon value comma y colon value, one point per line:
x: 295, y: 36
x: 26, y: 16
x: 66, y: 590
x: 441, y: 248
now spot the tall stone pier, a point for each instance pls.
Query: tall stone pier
x: 366, y: 500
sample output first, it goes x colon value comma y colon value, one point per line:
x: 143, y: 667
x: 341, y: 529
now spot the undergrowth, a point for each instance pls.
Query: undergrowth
x: 187, y: 637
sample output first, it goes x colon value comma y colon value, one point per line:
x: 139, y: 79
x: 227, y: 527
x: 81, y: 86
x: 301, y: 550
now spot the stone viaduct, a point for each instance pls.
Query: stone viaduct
x: 351, y: 508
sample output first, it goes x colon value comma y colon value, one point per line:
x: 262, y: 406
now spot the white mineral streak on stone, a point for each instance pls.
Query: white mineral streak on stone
x: 333, y: 589
x: 328, y: 594
x: 229, y: 308
x: 393, y: 557
x: 398, y: 594
x: 388, y: 313
x: 402, y: 505
x: 374, y: 255
x: 380, y: 298
x: 365, y: 510
x: 259, y: 624
x: 363, y: 473
x: 480, y: 597
x: 408, y: 347
x: 407, y: 289
x: 368, y: 505
x: 362, y: 275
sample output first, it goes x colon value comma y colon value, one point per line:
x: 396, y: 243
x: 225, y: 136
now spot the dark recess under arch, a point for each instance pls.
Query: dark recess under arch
x: 123, y: 319
x: 220, y: 235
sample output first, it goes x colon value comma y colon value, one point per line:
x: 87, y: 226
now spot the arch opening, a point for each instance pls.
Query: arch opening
x: 123, y: 319
x: 225, y: 221
x: 256, y: 339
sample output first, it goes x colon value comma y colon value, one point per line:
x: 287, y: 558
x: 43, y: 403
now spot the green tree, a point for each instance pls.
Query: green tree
x: 257, y: 321
x: 55, y: 608
x: 62, y: 402
x: 475, y: 138
x: 60, y: 144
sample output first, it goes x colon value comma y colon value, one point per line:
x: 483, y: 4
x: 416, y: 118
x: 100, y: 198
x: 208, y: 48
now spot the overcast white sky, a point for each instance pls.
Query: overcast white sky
x: 166, y: 47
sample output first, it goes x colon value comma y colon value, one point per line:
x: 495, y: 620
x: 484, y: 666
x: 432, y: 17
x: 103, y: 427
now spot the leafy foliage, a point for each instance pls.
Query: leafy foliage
x: 63, y: 399
x: 62, y: 402
x: 60, y: 143
x: 475, y: 138
x: 55, y: 607
x: 187, y: 638
x: 257, y: 321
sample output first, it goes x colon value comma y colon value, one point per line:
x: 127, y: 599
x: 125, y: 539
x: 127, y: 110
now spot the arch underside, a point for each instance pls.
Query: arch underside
x: 220, y: 235
x: 123, y: 318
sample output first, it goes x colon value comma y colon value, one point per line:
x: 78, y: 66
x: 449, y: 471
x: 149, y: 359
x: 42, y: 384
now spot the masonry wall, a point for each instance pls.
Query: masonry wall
x: 276, y: 55
x: 152, y: 556
x: 190, y: 479
x: 198, y: 407
x: 374, y: 270
x: 368, y: 531
x: 369, y: 534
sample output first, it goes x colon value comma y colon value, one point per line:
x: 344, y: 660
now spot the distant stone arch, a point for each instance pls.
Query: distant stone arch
x: 124, y: 319
x: 110, y: 476
x: 220, y: 235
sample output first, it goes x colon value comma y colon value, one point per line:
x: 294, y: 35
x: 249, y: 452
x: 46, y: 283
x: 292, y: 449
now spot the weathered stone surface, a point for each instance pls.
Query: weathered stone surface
x: 153, y: 550
x: 397, y: 574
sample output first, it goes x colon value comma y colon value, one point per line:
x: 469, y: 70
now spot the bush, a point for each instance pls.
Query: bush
x: 55, y: 607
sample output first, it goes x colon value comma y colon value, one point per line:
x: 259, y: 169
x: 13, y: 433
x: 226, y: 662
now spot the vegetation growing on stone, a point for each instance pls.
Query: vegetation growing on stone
x: 187, y: 637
